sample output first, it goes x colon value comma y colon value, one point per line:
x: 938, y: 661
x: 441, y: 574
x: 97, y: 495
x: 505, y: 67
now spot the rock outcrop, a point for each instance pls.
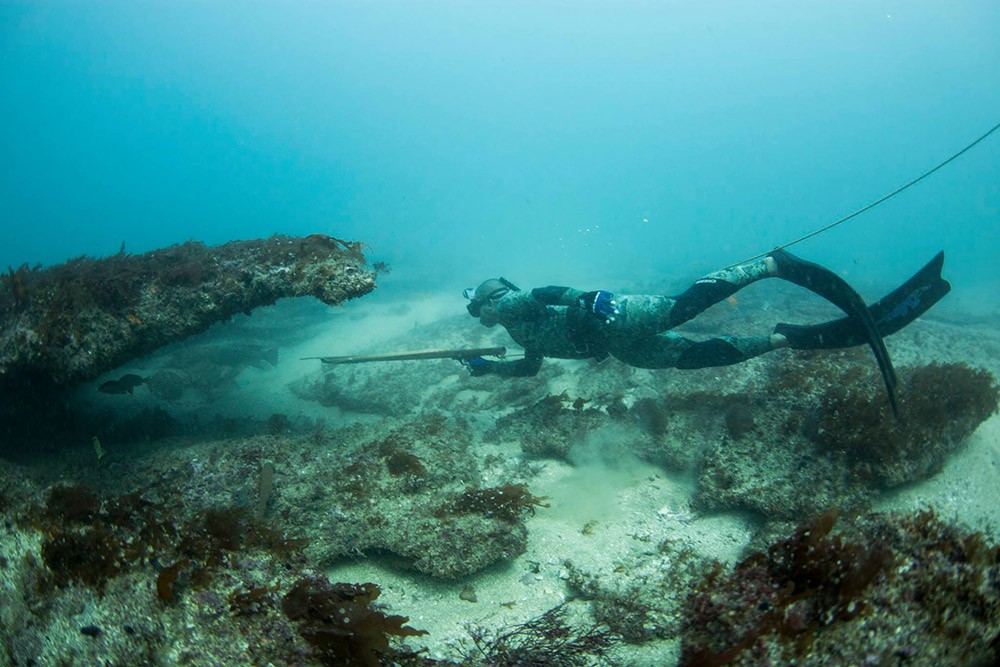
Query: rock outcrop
x: 69, y: 323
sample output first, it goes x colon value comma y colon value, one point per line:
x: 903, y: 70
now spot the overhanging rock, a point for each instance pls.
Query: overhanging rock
x: 72, y: 322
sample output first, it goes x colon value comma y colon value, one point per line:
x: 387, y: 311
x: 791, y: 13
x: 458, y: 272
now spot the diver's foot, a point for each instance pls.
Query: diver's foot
x: 810, y: 337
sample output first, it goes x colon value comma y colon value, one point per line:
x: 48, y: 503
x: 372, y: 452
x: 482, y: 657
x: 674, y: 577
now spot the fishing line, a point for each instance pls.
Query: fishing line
x: 874, y: 203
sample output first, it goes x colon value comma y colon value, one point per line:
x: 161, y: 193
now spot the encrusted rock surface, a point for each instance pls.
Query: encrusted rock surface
x: 183, y: 552
x: 886, y: 590
x: 411, y: 492
x: 69, y: 323
x: 824, y: 437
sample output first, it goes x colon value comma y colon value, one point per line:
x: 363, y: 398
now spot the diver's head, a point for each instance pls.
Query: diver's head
x: 488, y: 292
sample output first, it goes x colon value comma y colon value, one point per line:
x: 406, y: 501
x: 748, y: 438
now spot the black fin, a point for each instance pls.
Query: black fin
x: 891, y: 313
x: 827, y: 284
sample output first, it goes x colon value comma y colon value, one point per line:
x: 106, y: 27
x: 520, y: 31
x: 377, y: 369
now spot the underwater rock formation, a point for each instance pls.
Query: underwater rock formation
x: 889, y: 589
x: 815, y: 435
x: 549, y: 427
x: 211, y: 552
x: 414, y: 494
x: 91, y: 578
x: 824, y: 437
x: 880, y: 589
x: 69, y: 323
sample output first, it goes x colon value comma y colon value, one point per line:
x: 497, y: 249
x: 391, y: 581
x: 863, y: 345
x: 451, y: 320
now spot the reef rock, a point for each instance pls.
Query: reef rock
x: 824, y: 436
x: 414, y: 494
x: 887, y: 589
x: 69, y: 323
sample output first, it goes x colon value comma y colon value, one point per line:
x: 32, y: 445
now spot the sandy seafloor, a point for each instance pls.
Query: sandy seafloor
x: 628, y: 505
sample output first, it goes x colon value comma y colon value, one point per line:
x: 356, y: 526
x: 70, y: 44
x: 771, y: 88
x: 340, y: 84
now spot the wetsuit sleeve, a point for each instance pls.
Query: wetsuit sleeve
x: 519, y: 307
x: 557, y: 296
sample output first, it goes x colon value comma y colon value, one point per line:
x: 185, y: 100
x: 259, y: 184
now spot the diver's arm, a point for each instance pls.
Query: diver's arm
x: 600, y: 302
x: 526, y: 367
x: 516, y: 307
x: 557, y: 296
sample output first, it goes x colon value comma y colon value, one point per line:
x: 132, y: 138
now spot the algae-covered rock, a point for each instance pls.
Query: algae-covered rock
x: 70, y: 323
x: 410, y: 494
x: 941, y: 405
x: 887, y: 589
x: 825, y: 437
x: 550, y: 426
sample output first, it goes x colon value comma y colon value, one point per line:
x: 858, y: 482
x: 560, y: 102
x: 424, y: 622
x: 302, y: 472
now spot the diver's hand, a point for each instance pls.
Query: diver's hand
x: 601, y: 303
x: 477, y: 366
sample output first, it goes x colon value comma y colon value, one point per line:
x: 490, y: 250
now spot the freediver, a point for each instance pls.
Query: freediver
x: 566, y: 323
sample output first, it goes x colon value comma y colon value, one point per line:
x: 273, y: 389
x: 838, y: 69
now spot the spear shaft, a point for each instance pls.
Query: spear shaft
x: 458, y: 355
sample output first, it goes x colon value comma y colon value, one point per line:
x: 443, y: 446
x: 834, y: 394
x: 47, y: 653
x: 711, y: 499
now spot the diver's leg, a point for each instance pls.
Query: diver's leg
x: 717, y: 286
x: 782, y: 264
x: 670, y: 350
x: 721, y: 284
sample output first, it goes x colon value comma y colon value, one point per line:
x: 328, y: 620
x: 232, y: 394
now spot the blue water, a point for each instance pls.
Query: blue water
x: 552, y: 142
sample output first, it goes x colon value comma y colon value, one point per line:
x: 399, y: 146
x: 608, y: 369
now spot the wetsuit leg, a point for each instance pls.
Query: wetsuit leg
x: 670, y: 350
x: 715, y: 287
x: 649, y: 314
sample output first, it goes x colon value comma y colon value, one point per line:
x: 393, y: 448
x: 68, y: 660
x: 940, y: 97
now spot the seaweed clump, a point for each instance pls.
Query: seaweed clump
x: 253, y: 601
x: 506, y: 502
x: 901, y: 590
x: 548, y: 640
x: 941, y: 405
x: 803, y: 583
x: 91, y: 540
x: 215, y: 536
x: 14, y: 285
x: 953, y: 578
x: 90, y: 556
x: 400, y: 462
x: 340, y: 623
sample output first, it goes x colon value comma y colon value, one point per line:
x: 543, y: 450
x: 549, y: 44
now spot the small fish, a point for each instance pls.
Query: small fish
x: 126, y: 384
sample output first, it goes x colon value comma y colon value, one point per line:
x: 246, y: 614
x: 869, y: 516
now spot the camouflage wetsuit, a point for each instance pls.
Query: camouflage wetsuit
x: 549, y: 322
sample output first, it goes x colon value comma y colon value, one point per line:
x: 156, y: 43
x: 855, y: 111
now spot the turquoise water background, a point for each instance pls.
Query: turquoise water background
x: 553, y: 142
